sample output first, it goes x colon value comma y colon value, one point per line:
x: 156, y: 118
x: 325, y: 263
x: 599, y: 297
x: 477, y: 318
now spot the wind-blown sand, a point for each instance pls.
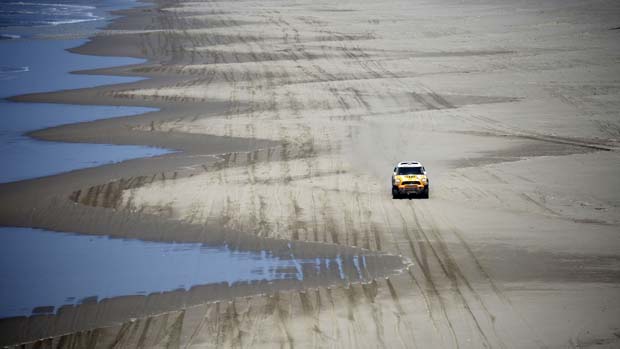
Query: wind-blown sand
x: 290, y: 117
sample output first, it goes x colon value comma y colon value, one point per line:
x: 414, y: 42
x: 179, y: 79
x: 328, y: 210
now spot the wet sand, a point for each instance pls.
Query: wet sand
x: 289, y: 118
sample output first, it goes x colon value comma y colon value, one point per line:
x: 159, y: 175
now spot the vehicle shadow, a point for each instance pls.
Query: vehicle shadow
x: 411, y: 197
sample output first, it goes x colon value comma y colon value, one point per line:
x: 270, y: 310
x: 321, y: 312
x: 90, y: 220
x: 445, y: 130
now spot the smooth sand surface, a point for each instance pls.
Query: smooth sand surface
x: 290, y: 117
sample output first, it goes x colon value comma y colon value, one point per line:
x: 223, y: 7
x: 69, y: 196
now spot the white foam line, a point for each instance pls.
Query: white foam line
x: 10, y: 36
x: 70, y: 21
x: 50, y: 4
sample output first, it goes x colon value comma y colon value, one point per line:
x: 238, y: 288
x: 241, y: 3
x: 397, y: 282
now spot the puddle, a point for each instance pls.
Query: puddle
x: 42, y: 270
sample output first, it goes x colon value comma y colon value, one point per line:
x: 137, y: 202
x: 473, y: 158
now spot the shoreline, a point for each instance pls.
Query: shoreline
x: 289, y: 119
x: 50, y: 202
x: 29, y: 157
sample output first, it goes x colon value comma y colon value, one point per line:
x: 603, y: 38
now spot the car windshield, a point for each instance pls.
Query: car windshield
x: 409, y: 171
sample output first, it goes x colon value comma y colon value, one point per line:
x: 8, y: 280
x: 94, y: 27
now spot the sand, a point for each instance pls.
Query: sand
x: 288, y: 118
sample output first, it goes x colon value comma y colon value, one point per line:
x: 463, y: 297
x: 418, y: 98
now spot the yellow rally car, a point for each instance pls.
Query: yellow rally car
x: 409, y: 178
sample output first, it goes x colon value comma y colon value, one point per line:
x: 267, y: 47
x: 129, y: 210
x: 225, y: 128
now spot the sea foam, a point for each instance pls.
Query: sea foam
x: 30, y: 14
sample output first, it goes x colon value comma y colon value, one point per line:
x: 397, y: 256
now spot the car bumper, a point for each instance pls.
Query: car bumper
x: 411, y: 189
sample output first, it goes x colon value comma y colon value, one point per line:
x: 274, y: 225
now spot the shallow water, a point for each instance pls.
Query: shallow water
x: 58, y: 18
x: 38, y: 13
x: 27, y: 158
x: 42, y: 268
x: 23, y: 71
x: 44, y: 65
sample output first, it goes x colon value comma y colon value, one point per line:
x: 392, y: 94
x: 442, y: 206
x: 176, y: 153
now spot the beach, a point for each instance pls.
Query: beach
x: 279, y: 124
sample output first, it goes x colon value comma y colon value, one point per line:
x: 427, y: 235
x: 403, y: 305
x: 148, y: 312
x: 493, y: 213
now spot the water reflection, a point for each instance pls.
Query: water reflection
x: 47, y: 269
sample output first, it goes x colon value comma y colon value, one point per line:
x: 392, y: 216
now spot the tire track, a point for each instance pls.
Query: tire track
x: 421, y: 260
x: 497, y: 291
x: 453, y: 272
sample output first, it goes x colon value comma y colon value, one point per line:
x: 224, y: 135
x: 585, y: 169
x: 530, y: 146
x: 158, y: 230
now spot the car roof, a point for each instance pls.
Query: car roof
x: 409, y: 164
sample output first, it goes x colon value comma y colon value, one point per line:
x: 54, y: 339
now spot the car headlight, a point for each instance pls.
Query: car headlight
x: 396, y: 180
